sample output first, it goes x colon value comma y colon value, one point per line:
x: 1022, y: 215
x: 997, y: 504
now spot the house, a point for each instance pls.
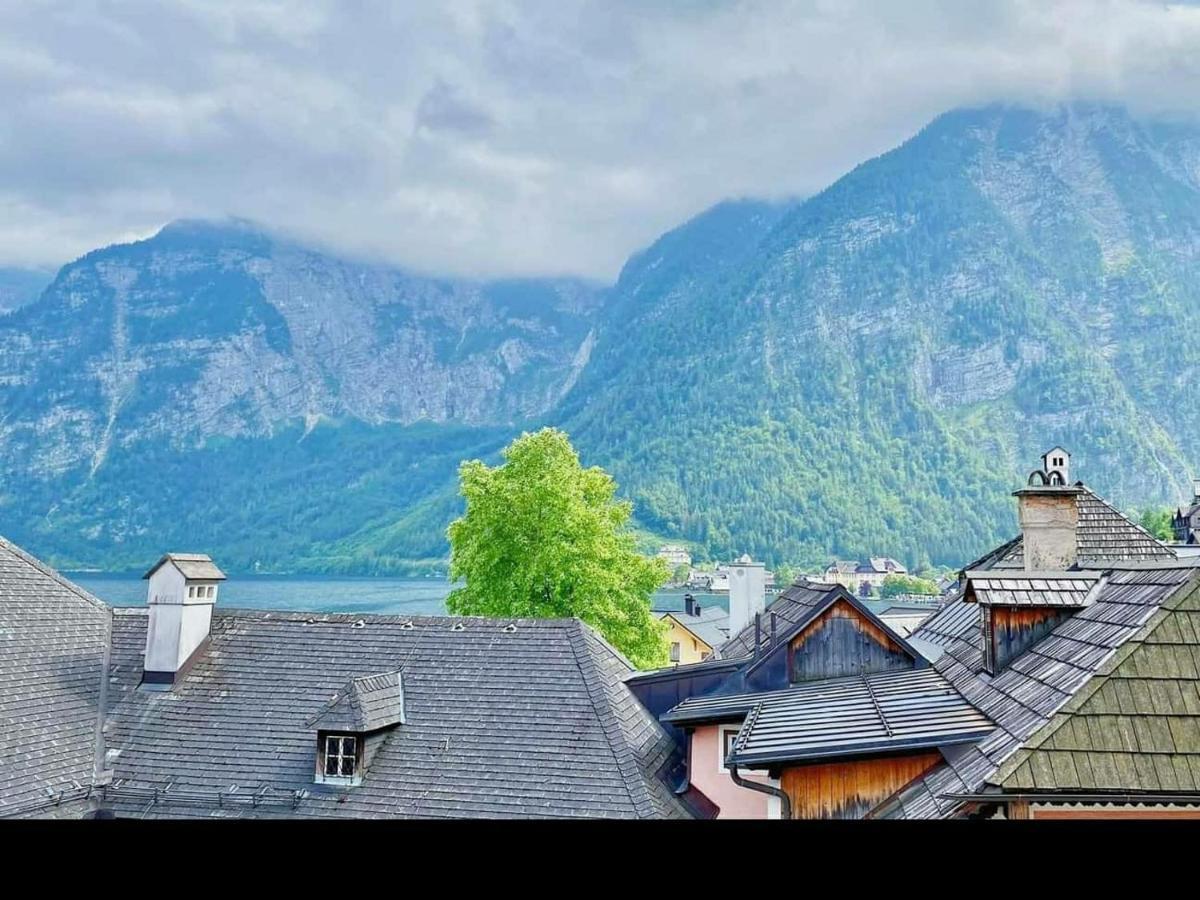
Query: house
x: 1062, y: 680
x: 183, y: 708
x: 695, y: 631
x: 863, y: 578
x: 1186, y: 520
x: 675, y: 556
x: 904, y: 614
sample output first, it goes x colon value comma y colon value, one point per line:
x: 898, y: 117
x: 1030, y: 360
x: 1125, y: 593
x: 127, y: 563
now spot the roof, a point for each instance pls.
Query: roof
x: 1135, y: 727
x: 365, y: 704
x: 1103, y: 536
x: 1069, y: 589
x: 791, y: 607
x: 711, y: 626
x: 194, y: 566
x: 1037, y: 684
x: 876, y: 713
x: 53, y: 655
x: 502, y: 718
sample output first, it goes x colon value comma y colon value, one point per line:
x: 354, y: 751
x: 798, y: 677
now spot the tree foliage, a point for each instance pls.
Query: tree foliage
x: 543, y: 537
x: 894, y: 585
x: 1159, y: 522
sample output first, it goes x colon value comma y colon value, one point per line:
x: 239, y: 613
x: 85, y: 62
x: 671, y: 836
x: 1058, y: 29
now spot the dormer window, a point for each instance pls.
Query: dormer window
x: 341, y: 761
x: 346, y: 724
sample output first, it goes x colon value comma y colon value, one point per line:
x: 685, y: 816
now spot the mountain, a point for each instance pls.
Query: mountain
x: 20, y: 286
x: 866, y: 371
x: 217, y: 384
x: 893, y: 354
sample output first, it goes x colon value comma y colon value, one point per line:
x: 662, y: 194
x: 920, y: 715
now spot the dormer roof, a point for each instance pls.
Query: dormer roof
x: 194, y: 566
x: 365, y: 704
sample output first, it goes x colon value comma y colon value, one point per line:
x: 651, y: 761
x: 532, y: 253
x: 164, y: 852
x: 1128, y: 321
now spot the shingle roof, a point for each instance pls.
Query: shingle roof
x: 1036, y: 685
x: 874, y: 713
x: 791, y: 607
x: 1103, y: 535
x: 365, y: 704
x: 1067, y: 589
x: 194, y: 566
x: 520, y: 718
x: 1135, y: 727
x: 53, y: 653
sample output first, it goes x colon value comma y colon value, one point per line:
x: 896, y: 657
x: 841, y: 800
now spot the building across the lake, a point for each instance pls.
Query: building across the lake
x: 862, y: 578
x: 1186, y: 521
x: 675, y: 556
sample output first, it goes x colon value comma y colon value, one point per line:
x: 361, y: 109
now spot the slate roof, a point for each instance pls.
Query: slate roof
x: 1103, y: 535
x: 863, y: 714
x: 194, y: 566
x: 1063, y: 589
x: 711, y: 626
x: 1036, y: 685
x: 53, y: 654
x: 364, y: 704
x: 1135, y: 727
x: 516, y: 718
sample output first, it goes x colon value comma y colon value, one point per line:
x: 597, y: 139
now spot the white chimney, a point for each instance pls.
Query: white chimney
x: 1196, y: 490
x: 181, y: 594
x: 1049, y: 515
x: 747, y: 592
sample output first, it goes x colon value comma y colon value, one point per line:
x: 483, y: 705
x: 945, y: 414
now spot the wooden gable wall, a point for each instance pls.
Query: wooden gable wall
x: 842, y: 641
x: 849, y: 789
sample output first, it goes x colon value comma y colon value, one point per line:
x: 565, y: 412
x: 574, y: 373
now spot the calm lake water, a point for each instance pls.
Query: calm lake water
x: 335, y: 594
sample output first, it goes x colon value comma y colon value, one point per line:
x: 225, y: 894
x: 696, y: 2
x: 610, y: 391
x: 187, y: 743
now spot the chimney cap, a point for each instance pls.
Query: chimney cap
x: 193, y: 566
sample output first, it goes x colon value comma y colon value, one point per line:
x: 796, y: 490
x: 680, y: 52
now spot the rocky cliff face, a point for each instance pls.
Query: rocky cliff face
x: 218, y: 331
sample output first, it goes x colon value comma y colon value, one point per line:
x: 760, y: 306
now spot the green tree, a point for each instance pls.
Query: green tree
x: 681, y: 573
x: 1157, y: 521
x: 894, y: 585
x: 543, y: 537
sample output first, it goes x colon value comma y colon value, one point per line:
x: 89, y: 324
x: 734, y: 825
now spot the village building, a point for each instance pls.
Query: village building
x: 863, y: 578
x: 675, y: 556
x: 694, y: 631
x: 1186, y: 521
x: 183, y: 708
x: 1061, y: 680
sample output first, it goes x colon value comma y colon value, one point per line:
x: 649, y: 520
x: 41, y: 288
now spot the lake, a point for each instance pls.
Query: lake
x: 332, y: 593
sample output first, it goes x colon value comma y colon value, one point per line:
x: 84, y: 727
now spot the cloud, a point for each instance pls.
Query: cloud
x: 500, y: 137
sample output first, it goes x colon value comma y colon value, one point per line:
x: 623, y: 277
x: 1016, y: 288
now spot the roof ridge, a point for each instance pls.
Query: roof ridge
x: 631, y: 775
x: 52, y: 573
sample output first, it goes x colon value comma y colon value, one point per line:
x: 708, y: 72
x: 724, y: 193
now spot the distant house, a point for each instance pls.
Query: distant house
x: 695, y: 631
x: 675, y: 556
x: 863, y: 578
x: 184, y: 709
x: 1186, y: 521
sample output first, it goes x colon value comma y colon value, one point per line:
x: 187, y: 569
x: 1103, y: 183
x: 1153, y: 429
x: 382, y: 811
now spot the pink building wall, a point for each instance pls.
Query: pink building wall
x: 704, y: 769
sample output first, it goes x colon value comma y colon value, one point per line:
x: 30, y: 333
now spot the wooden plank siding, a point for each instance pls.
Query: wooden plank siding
x: 851, y: 788
x: 841, y: 641
x: 1014, y: 629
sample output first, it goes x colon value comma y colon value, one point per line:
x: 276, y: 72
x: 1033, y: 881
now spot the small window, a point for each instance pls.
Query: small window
x: 728, y: 734
x: 210, y: 591
x: 341, y: 756
x: 191, y: 591
x: 674, y: 651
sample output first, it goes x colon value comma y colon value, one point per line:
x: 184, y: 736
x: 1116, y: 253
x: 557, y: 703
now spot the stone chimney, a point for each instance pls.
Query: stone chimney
x: 747, y: 592
x: 181, y: 594
x: 1049, y: 516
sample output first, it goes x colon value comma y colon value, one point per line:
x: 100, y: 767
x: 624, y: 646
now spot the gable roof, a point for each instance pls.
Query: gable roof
x: 194, y: 566
x: 711, y: 626
x: 1135, y: 727
x: 1103, y: 535
x: 502, y: 718
x: 863, y: 714
x: 366, y: 703
x: 54, y: 640
x: 1035, y: 685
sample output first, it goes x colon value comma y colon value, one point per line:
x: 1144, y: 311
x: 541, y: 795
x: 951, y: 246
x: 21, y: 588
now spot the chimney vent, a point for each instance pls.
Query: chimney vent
x: 1049, y: 515
x: 689, y: 604
x: 180, y: 596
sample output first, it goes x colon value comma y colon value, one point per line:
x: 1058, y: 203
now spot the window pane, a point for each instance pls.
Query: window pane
x: 331, y: 765
x: 347, y: 765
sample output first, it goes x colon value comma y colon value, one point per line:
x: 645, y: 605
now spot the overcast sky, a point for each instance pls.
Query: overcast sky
x: 504, y: 137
